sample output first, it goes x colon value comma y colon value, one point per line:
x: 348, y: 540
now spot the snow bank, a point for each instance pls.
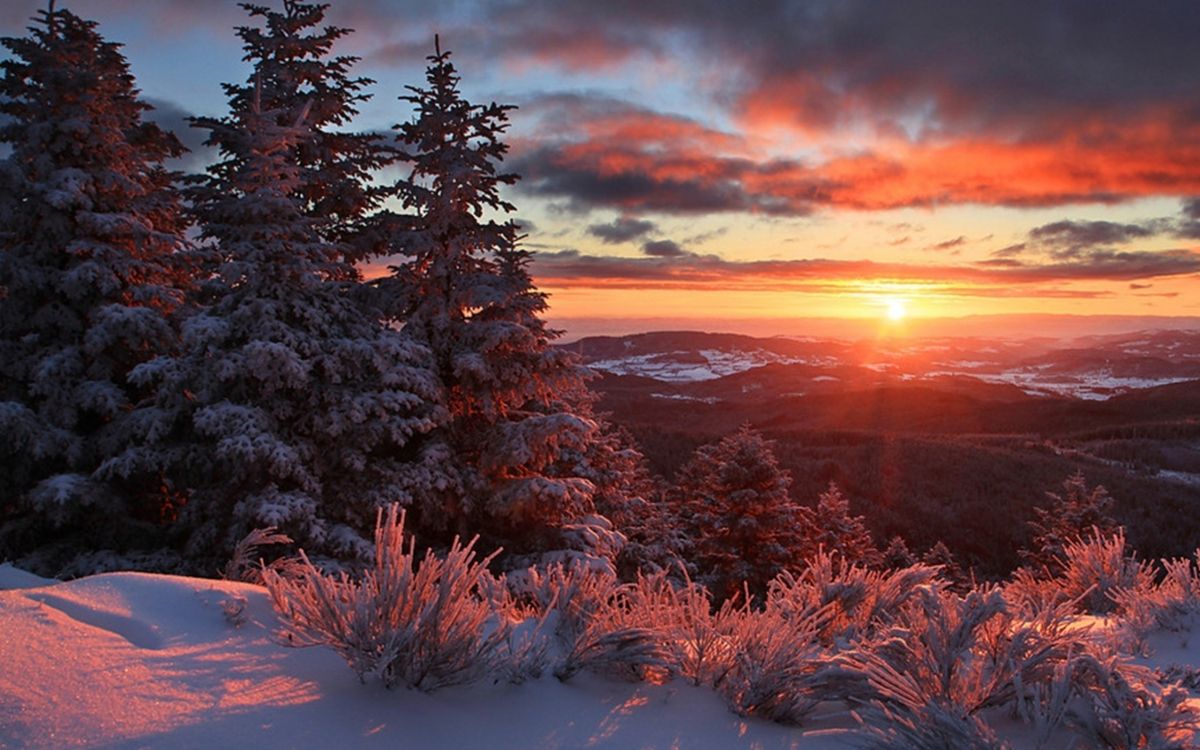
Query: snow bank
x: 130, y: 660
x: 133, y: 660
x: 15, y: 578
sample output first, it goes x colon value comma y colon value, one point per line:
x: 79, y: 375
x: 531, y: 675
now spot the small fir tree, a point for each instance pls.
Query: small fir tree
x: 898, y: 555
x: 518, y: 420
x: 830, y: 528
x: 940, y: 555
x: 1067, y: 517
x: 90, y: 234
x: 291, y: 408
x: 743, y: 526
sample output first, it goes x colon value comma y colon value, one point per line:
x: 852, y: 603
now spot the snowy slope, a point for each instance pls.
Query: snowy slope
x: 127, y: 660
x: 130, y: 660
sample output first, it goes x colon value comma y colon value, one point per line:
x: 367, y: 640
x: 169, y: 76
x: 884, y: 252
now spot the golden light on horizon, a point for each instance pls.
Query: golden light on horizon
x: 896, y: 309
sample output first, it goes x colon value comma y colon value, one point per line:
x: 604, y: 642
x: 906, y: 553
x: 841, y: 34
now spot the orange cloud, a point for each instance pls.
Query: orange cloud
x: 634, y: 160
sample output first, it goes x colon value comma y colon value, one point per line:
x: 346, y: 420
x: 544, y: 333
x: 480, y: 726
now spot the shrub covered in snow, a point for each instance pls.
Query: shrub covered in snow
x: 966, y: 654
x: 425, y: 626
x: 600, y: 623
x: 1125, y: 708
x: 932, y: 726
x: 1169, y: 602
x: 780, y: 670
x: 1095, y: 567
x: 861, y: 599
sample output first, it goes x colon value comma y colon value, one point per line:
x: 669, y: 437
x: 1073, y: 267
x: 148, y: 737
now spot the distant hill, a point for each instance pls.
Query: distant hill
x: 938, y: 439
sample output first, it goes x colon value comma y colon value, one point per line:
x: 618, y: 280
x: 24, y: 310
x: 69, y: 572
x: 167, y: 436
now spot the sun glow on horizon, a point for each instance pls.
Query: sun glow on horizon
x: 896, y: 309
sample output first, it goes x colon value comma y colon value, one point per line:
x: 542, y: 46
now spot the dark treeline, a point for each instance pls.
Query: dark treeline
x: 975, y: 494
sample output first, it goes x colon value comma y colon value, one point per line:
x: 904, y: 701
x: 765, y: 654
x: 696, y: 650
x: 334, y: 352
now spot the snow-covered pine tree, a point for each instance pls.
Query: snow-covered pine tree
x: 951, y: 571
x: 741, y: 522
x: 1065, y: 518
x: 632, y: 499
x: 90, y: 229
x: 517, y: 407
x: 898, y: 555
x: 831, y: 528
x: 294, y: 67
x: 290, y: 407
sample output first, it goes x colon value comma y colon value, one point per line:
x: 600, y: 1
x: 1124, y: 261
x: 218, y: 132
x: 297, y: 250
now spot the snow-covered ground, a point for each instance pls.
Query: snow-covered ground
x: 1090, y: 386
x: 1088, y: 380
x: 130, y: 660
x: 704, y: 364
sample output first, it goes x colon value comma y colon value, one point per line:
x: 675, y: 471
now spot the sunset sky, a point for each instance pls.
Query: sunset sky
x: 706, y: 162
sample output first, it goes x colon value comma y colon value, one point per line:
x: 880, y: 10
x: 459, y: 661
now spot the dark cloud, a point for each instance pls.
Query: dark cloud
x: 1189, y: 222
x: 1023, y: 103
x: 1019, y: 72
x: 925, y: 66
x: 654, y: 182
x: 957, y: 242
x: 599, y: 152
x: 622, y: 229
x: 1068, y: 238
x: 1118, y: 266
x: 570, y: 268
x: 663, y: 249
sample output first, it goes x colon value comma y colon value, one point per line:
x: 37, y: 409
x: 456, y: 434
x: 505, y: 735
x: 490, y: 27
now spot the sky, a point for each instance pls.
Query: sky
x: 749, y: 165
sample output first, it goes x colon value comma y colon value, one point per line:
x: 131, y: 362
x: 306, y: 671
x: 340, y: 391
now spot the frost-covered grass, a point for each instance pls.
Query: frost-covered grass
x: 918, y: 664
x: 833, y: 656
x: 426, y: 626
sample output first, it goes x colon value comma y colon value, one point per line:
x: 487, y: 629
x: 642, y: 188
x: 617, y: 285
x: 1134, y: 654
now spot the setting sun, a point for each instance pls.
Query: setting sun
x: 896, y: 309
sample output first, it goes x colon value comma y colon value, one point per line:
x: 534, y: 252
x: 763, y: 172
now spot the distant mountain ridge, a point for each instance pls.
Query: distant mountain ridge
x: 1094, y: 368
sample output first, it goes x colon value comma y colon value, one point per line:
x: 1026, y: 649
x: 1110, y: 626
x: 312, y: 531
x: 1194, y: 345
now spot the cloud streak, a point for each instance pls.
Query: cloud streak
x: 572, y: 269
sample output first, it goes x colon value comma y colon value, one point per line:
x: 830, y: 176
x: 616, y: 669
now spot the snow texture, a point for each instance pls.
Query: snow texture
x: 189, y: 678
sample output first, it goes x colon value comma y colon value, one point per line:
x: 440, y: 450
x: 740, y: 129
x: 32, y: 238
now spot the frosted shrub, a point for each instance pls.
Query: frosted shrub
x: 629, y: 651
x: 861, y: 599
x: 933, y: 726
x: 1044, y: 706
x: 246, y: 565
x: 780, y: 670
x: 1169, y: 604
x: 598, y: 623
x: 424, y: 626
x: 1126, y: 709
x: 699, y: 640
x: 965, y: 652
x: 1096, y: 567
x: 1029, y: 595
